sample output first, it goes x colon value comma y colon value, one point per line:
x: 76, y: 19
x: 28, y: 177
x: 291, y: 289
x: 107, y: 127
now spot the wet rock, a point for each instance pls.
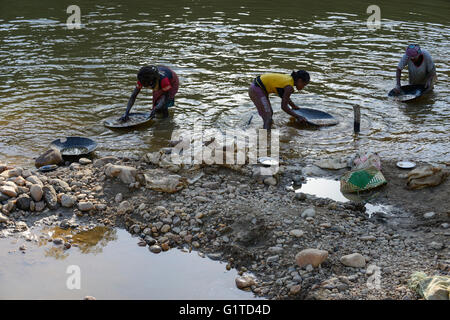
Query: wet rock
x: 51, y: 156
x: 85, y: 206
x: 50, y: 197
x: 149, y: 240
x: 23, y: 202
x: 8, y: 190
x: 244, y: 282
x: 58, y: 241
x: 126, y: 174
x: 36, y: 192
x: 84, y: 161
x: 310, y: 212
x: 67, y: 201
x: 155, y: 248
x: 125, y: 207
x: 354, y: 260
x: 165, y: 246
x: 310, y: 256
x: 445, y: 225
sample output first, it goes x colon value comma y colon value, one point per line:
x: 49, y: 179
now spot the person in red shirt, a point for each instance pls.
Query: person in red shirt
x: 164, y: 83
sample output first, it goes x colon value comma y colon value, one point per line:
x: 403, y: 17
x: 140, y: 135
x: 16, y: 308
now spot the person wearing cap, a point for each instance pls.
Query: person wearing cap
x: 421, y: 67
x: 280, y: 84
x: 164, y: 83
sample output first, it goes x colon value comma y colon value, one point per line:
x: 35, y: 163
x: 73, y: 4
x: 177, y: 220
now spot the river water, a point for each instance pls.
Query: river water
x: 56, y: 82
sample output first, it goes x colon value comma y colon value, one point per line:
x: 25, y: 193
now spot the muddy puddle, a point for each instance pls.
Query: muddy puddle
x: 110, y: 265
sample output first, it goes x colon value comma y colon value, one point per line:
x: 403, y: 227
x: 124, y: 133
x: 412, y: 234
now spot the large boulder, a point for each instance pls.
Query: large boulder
x: 313, y: 257
x: 52, y: 156
x: 126, y: 174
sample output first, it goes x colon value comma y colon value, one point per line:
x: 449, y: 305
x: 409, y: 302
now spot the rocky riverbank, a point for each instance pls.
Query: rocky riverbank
x: 286, y: 244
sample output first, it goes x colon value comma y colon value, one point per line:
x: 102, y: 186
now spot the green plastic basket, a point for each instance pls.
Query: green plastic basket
x: 362, y: 179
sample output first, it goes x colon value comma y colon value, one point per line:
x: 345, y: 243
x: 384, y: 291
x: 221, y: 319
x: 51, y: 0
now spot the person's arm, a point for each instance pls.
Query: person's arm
x: 402, y: 63
x: 130, y: 103
x: 292, y: 104
x: 286, y: 100
x: 398, y: 77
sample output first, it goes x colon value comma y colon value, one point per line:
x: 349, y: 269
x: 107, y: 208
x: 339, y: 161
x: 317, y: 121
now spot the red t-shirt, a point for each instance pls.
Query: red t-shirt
x: 165, y: 85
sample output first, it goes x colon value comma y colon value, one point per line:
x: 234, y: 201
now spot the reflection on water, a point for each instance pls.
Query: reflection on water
x: 56, y: 82
x: 90, y: 241
x: 112, y: 266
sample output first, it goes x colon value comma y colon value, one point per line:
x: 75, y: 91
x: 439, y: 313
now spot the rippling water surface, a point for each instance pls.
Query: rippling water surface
x: 56, y: 82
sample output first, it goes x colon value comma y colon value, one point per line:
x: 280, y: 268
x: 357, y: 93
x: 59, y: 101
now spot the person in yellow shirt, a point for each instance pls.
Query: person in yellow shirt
x: 280, y: 84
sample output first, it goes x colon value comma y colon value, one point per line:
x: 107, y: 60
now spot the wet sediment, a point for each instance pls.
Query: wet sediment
x: 253, y: 223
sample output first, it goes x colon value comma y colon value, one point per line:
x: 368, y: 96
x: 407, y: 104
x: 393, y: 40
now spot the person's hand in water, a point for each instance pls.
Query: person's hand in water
x: 301, y: 119
x: 124, y: 118
x: 397, y: 89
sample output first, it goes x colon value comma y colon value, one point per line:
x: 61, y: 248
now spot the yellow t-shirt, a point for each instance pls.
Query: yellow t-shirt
x: 276, y: 82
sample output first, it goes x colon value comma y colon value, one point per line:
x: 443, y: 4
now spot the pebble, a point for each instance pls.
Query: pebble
x: 9, y: 191
x: 67, y: 201
x: 84, y: 161
x: 355, y: 260
x: 275, y: 249
x: 310, y: 212
x: 36, y: 192
x: 58, y: 241
x: 270, y: 181
x: 368, y: 238
x: 429, y: 215
x: 85, y: 206
x: 118, y: 198
x: 296, y: 233
x: 155, y: 248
